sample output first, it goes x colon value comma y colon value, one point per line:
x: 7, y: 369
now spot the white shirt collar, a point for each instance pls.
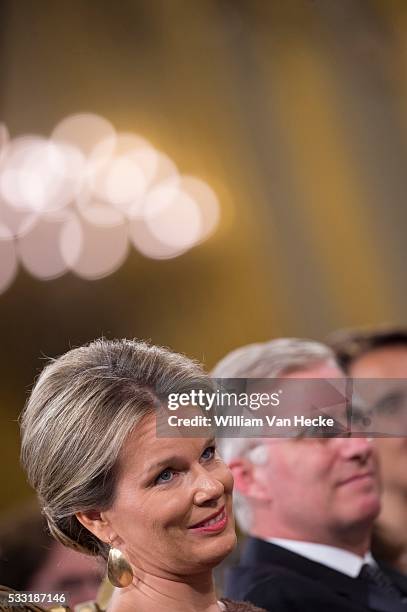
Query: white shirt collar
x: 336, y: 558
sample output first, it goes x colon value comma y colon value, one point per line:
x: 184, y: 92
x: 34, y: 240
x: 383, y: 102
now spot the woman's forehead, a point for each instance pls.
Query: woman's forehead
x: 144, y: 445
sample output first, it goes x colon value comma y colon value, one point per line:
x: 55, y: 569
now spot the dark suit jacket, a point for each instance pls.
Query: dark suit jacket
x: 279, y: 580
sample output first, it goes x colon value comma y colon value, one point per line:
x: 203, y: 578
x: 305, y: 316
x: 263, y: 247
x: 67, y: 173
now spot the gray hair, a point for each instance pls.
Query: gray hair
x: 77, y: 418
x: 263, y: 360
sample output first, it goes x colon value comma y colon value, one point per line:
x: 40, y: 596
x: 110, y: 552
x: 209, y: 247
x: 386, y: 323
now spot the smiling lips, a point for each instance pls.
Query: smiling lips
x: 357, y: 477
x: 215, y: 522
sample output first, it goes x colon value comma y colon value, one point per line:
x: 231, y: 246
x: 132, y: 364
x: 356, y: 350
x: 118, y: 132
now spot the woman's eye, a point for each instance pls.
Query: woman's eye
x: 208, y: 453
x: 165, y: 476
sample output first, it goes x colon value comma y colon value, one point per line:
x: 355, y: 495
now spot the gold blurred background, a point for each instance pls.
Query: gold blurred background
x: 293, y: 111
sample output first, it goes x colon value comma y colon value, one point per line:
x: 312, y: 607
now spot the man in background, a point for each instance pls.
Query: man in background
x: 381, y: 355
x: 307, y: 504
x: 31, y: 560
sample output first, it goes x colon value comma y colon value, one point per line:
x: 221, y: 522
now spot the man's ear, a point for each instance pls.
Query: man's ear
x: 248, y: 479
x: 97, y: 523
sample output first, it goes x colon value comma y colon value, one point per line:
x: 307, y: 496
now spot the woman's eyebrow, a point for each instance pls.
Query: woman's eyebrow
x: 163, y: 463
x: 209, y: 442
x: 173, y: 458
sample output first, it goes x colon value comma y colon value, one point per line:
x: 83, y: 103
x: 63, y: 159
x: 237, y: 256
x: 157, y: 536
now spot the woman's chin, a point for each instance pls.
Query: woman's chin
x: 214, y: 552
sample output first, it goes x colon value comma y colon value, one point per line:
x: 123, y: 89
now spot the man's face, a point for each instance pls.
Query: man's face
x: 318, y: 487
x: 67, y: 571
x: 388, y: 363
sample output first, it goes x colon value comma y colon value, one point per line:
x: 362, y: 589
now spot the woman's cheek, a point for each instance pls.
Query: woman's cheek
x: 226, y: 477
x: 172, y: 511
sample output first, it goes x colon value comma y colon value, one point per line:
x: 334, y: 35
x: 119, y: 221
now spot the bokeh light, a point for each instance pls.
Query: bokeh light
x: 102, y: 250
x: 172, y: 216
x: 98, y: 212
x: 207, y: 201
x: 8, y: 258
x: 76, y: 202
x: 83, y: 131
x: 148, y: 245
x: 39, y: 175
x: 39, y: 249
x: 121, y: 169
x: 17, y: 221
x: 4, y: 140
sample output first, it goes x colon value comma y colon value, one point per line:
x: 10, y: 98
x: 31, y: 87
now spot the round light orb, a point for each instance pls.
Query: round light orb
x: 207, y: 202
x: 18, y: 222
x: 38, y: 175
x: 147, y: 244
x: 120, y: 170
x: 102, y: 249
x: 97, y: 211
x: 172, y: 216
x: 13, y: 162
x: 39, y: 249
x: 84, y: 131
x: 165, y: 170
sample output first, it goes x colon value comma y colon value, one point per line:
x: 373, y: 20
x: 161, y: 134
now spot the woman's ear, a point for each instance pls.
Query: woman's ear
x: 97, y: 523
x: 248, y: 480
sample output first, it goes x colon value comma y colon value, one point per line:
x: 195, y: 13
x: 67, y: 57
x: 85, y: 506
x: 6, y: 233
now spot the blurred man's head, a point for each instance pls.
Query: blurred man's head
x: 315, y: 489
x: 31, y: 560
x: 381, y: 354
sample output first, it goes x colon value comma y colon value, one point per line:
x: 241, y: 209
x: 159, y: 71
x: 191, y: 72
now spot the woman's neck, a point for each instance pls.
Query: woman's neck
x: 196, y: 594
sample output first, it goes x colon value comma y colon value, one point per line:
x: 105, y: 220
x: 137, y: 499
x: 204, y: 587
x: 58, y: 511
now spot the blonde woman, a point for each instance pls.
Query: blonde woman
x: 158, y: 510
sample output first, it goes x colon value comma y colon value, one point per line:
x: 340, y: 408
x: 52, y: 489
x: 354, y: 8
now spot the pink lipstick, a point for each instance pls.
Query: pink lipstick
x: 212, y: 524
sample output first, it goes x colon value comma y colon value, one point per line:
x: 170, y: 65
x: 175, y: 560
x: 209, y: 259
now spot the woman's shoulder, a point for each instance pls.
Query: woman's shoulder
x: 240, y: 606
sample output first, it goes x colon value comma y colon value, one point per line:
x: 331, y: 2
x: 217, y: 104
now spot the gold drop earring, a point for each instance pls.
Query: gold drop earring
x: 119, y: 571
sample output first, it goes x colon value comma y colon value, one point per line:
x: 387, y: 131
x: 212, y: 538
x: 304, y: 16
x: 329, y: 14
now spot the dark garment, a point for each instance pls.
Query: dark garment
x: 375, y: 576
x: 240, y: 606
x: 279, y: 580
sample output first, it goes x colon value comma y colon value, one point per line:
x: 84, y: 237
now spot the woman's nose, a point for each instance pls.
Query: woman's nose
x: 207, y: 489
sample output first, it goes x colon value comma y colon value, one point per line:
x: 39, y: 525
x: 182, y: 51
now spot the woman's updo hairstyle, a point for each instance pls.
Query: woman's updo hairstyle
x: 77, y: 418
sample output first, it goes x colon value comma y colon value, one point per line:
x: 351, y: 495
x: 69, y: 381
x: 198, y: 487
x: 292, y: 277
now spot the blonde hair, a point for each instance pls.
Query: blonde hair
x: 80, y: 411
